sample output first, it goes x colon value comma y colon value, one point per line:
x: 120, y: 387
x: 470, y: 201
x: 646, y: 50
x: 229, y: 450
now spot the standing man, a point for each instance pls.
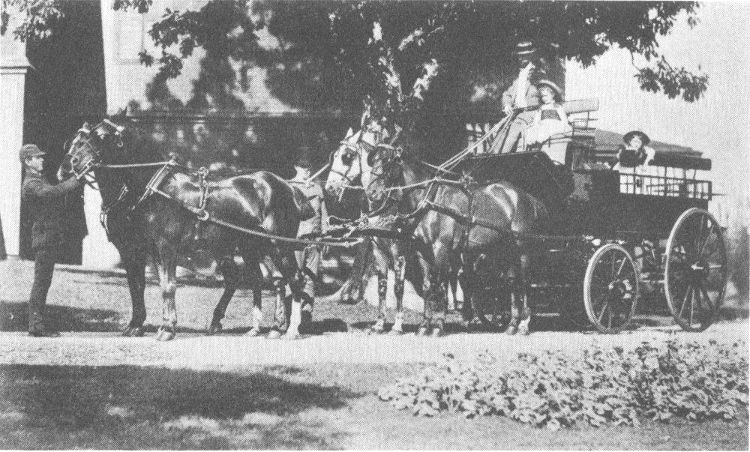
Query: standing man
x: 46, y: 209
x: 521, y: 94
x: 309, y: 258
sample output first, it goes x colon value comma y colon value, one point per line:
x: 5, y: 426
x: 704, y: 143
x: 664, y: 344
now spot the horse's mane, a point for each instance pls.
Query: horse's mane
x: 138, y: 146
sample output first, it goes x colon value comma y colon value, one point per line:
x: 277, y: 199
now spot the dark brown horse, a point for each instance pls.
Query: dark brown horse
x: 454, y: 223
x: 167, y: 211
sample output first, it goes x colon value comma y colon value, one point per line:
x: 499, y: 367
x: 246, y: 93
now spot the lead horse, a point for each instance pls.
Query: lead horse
x: 177, y: 215
x: 451, y: 221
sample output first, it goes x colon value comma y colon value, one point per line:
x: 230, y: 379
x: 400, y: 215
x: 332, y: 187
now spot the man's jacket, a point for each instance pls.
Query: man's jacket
x: 44, y: 204
x: 531, y: 93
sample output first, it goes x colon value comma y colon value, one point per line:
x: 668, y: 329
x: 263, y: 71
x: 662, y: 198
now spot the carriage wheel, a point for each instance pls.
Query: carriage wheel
x: 610, y: 288
x: 695, y: 273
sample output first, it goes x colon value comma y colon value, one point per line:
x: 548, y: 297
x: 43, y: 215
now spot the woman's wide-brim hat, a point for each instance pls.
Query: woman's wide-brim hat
x: 629, y: 136
x: 525, y: 48
x: 552, y: 85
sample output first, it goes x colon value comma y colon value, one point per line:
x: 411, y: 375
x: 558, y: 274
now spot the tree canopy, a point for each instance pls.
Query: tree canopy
x: 401, y: 59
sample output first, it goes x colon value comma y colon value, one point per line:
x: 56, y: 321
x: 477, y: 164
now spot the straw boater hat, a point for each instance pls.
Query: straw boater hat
x: 629, y: 136
x: 552, y: 85
x: 525, y: 48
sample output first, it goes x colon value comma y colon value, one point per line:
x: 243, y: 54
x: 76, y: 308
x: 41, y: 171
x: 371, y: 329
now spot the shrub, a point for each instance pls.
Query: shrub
x: 598, y: 387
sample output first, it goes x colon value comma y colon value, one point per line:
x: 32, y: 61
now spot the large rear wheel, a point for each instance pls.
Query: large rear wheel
x: 610, y: 288
x: 695, y: 273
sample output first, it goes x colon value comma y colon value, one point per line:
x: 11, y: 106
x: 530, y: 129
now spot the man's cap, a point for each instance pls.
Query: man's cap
x: 551, y: 84
x: 525, y: 48
x: 29, y: 150
x: 629, y: 136
x: 303, y: 159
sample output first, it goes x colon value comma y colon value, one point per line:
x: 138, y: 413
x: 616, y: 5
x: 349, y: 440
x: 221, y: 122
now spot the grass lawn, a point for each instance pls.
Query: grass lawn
x: 321, y: 407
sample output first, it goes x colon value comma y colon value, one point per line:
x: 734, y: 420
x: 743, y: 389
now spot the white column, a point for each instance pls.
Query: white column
x: 13, y: 67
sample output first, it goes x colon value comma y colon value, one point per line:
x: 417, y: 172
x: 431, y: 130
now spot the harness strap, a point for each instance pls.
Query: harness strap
x: 156, y: 181
x: 203, y: 215
x: 106, y: 208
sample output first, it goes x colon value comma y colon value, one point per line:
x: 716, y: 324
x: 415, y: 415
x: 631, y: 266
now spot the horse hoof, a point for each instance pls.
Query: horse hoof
x: 254, y: 332
x: 422, y: 331
x: 274, y: 334
x: 165, y: 335
x: 396, y: 332
x: 511, y: 330
x: 133, y: 331
x: 437, y: 332
x: 290, y: 336
x: 523, y: 330
x: 214, y: 328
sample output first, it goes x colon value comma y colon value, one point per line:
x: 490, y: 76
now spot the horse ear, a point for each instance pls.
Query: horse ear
x: 349, y: 133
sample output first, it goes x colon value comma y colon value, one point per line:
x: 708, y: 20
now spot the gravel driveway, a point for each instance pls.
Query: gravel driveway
x: 97, y: 305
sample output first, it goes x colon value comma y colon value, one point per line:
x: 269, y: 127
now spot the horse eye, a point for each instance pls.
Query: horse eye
x: 347, y: 159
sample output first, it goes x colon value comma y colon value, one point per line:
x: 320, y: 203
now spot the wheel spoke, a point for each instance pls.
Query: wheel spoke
x: 604, y: 309
x: 622, y: 265
x: 699, y: 236
x: 692, y: 306
x: 705, y: 242
x: 709, y: 302
x: 684, y: 300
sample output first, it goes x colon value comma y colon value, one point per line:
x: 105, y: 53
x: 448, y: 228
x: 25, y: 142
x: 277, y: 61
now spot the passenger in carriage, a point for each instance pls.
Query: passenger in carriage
x: 633, y: 160
x: 521, y: 94
x: 550, y: 120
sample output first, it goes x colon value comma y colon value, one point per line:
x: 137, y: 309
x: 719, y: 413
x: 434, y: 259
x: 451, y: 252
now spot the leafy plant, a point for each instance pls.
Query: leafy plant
x: 599, y: 387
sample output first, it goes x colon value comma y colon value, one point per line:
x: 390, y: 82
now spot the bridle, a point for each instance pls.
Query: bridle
x: 352, y: 149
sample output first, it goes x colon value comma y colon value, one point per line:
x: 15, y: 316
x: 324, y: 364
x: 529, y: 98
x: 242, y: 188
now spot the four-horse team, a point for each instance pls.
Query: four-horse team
x: 511, y: 217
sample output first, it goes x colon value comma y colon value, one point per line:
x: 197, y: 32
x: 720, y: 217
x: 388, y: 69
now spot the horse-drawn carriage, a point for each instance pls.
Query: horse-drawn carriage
x: 602, y: 237
x: 519, y: 224
x: 610, y: 233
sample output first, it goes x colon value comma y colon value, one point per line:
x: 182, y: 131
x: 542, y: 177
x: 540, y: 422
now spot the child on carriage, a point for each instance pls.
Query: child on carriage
x: 550, y: 121
x: 633, y: 161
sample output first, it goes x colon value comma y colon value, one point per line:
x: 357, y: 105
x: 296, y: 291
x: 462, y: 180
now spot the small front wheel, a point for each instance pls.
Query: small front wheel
x: 610, y: 288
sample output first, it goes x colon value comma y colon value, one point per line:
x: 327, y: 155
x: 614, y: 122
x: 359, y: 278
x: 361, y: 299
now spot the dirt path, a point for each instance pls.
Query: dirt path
x: 196, y: 351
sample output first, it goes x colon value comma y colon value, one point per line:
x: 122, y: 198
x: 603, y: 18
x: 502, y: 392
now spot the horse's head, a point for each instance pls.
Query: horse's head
x: 89, y: 147
x: 381, y: 169
x: 345, y: 164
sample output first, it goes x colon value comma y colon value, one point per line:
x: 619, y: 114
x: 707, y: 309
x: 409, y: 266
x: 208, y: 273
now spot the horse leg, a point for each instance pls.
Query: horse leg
x: 135, y: 269
x: 381, y: 263
x: 296, y: 277
x: 427, y: 295
x: 515, y: 297
x: 229, y: 270
x: 521, y: 287
x: 168, y: 282
x: 255, y: 277
x: 399, y: 268
x: 280, y: 320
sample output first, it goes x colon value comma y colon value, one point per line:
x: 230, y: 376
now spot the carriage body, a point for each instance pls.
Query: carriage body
x: 649, y: 225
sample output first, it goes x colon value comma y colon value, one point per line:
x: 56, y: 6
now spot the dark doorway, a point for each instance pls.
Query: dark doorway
x: 64, y: 87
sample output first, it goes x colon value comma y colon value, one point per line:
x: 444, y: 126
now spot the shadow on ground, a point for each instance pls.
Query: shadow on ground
x: 128, y: 407
x: 14, y: 316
